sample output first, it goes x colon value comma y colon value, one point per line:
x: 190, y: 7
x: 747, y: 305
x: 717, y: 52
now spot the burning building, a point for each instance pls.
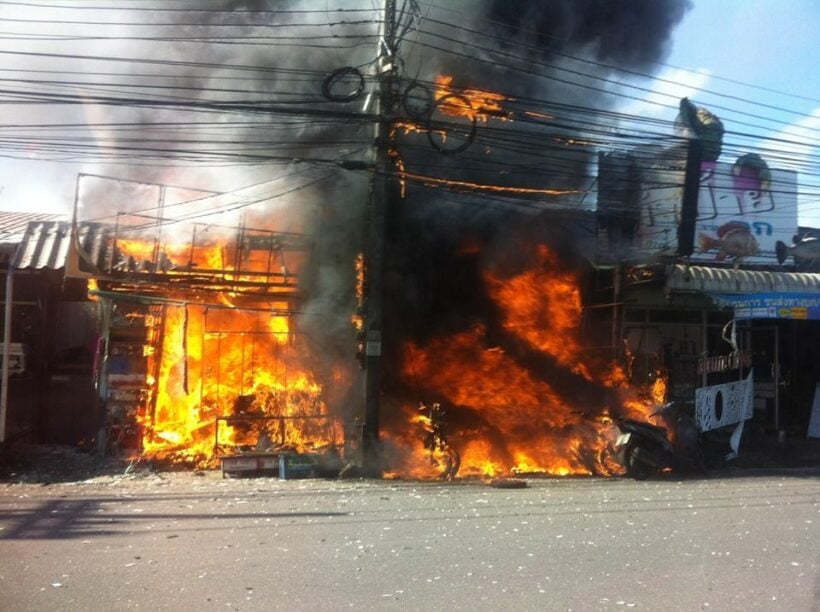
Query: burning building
x: 232, y: 323
x: 201, y: 351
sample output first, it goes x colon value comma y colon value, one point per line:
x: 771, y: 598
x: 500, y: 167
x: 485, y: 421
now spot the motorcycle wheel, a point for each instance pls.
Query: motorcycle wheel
x: 452, y: 464
x: 635, y: 468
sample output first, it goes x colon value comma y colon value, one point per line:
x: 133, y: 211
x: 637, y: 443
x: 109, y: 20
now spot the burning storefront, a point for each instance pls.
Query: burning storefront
x: 521, y: 391
x: 227, y: 325
x: 201, y: 351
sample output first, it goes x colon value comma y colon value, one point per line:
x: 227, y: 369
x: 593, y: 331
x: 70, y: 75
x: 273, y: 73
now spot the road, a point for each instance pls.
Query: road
x: 198, y: 542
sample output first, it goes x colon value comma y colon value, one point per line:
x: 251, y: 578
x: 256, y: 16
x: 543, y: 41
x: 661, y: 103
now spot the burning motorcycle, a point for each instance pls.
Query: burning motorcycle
x: 432, y: 418
x: 644, y: 449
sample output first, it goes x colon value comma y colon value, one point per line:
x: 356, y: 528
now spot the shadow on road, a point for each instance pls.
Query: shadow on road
x: 60, y: 519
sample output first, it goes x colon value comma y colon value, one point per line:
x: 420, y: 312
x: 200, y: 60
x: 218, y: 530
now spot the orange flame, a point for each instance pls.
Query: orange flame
x: 231, y: 365
x: 91, y: 287
x: 475, y: 104
x: 511, y: 419
x: 543, y: 306
x: 225, y: 260
x: 221, y: 377
x: 356, y: 318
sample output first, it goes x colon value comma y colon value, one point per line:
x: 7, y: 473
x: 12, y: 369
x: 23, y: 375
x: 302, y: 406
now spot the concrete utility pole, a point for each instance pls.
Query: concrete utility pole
x: 689, y: 205
x: 374, y: 246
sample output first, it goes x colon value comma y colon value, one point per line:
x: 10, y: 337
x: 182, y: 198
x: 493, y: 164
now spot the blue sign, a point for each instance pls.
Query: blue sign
x: 771, y: 305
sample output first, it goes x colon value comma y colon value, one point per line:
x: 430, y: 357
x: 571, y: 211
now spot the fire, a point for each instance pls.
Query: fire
x: 475, y: 104
x: 226, y: 370
x: 537, y: 115
x: 245, y: 257
x: 659, y: 390
x: 356, y: 318
x: 92, y: 287
x: 472, y: 185
x: 233, y: 366
x: 399, y: 163
x: 534, y: 404
x: 543, y: 306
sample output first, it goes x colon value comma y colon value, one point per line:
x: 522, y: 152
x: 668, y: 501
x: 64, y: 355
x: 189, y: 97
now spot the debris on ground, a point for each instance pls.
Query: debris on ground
x: 54, y: 463
x: 508, y: 483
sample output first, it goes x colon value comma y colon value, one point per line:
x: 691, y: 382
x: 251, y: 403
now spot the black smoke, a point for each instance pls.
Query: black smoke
x: 441, y: 241
x: 626, y: 33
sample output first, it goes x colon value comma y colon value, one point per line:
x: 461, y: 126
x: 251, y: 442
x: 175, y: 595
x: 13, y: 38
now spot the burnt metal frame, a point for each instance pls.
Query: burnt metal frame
x: 282, y: 421
x: 246, y: 240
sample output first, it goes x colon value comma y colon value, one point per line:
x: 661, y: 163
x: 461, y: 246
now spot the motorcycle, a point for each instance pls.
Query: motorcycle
x: 644, y: 449
x: 434, y: 435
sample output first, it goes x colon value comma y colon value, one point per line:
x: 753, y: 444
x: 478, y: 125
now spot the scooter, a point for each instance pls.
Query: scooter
x: 644, y: 449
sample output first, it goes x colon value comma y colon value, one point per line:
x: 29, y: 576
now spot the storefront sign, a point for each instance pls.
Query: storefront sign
x: 723, y: 363
x: 798, y: 306
x: 740, y: 217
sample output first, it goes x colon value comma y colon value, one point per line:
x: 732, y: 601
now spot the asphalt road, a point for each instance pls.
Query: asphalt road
x: 188, y: 542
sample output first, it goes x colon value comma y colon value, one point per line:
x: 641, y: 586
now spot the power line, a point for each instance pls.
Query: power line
x: 542, y: 34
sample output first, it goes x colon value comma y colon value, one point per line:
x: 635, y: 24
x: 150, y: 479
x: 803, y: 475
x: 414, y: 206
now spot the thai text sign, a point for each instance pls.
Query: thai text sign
x: 772, y: 305
x: 722, y: 363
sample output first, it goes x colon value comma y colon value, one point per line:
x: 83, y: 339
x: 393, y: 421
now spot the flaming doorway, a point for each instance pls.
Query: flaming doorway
x: 225, y: 380
x: 187, y: 382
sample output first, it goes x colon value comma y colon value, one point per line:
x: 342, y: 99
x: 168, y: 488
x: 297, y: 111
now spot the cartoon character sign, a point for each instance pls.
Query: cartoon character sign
x: 744, y: 209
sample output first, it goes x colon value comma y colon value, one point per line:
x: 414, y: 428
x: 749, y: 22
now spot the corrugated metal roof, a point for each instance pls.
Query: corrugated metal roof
x: 14, y: 224
x: 45, y: 244
x: 727, y: 280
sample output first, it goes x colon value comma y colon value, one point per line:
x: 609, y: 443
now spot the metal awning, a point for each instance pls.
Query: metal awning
x: 727, y: 280
x: 43, y: 246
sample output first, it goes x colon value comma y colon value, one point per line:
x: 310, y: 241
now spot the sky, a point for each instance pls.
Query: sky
x: 760, y: 56
x: 763, y: 51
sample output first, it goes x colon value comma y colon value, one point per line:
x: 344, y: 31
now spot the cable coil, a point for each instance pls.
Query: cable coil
x: 338, y: 76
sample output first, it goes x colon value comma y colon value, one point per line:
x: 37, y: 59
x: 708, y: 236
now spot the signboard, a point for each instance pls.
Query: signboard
x: 17, y: 358
x: 721, y: 405
x: 744, y: 208
x: 723, y: 363
x: 799, y: 306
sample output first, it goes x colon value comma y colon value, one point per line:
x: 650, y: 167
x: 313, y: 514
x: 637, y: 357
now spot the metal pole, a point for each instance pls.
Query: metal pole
x: 704, y: 349
x: 776, y: 378
x: 158, y: 236
x: 374, y: 261
x: 616, y: 296
x: 4, y: 375
x: 106, y: 311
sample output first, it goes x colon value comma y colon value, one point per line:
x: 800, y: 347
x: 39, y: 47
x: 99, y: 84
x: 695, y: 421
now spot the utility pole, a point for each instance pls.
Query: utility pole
x: 375, y: 241
x: 689, y: 204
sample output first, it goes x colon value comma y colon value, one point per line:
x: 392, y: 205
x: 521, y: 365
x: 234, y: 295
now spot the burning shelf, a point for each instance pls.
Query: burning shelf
x: 287, y: 466
x: 199, y: 257
x: 200, y: 353
x: 289, y: 445
x: 189, y: 382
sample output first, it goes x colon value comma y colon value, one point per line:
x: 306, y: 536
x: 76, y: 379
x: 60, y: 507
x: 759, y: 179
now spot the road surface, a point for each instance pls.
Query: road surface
x: 198, y: 542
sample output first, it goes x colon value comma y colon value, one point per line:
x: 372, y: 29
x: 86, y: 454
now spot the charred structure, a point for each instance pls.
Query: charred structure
x: 490, y: 253
x: 488, y: 235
